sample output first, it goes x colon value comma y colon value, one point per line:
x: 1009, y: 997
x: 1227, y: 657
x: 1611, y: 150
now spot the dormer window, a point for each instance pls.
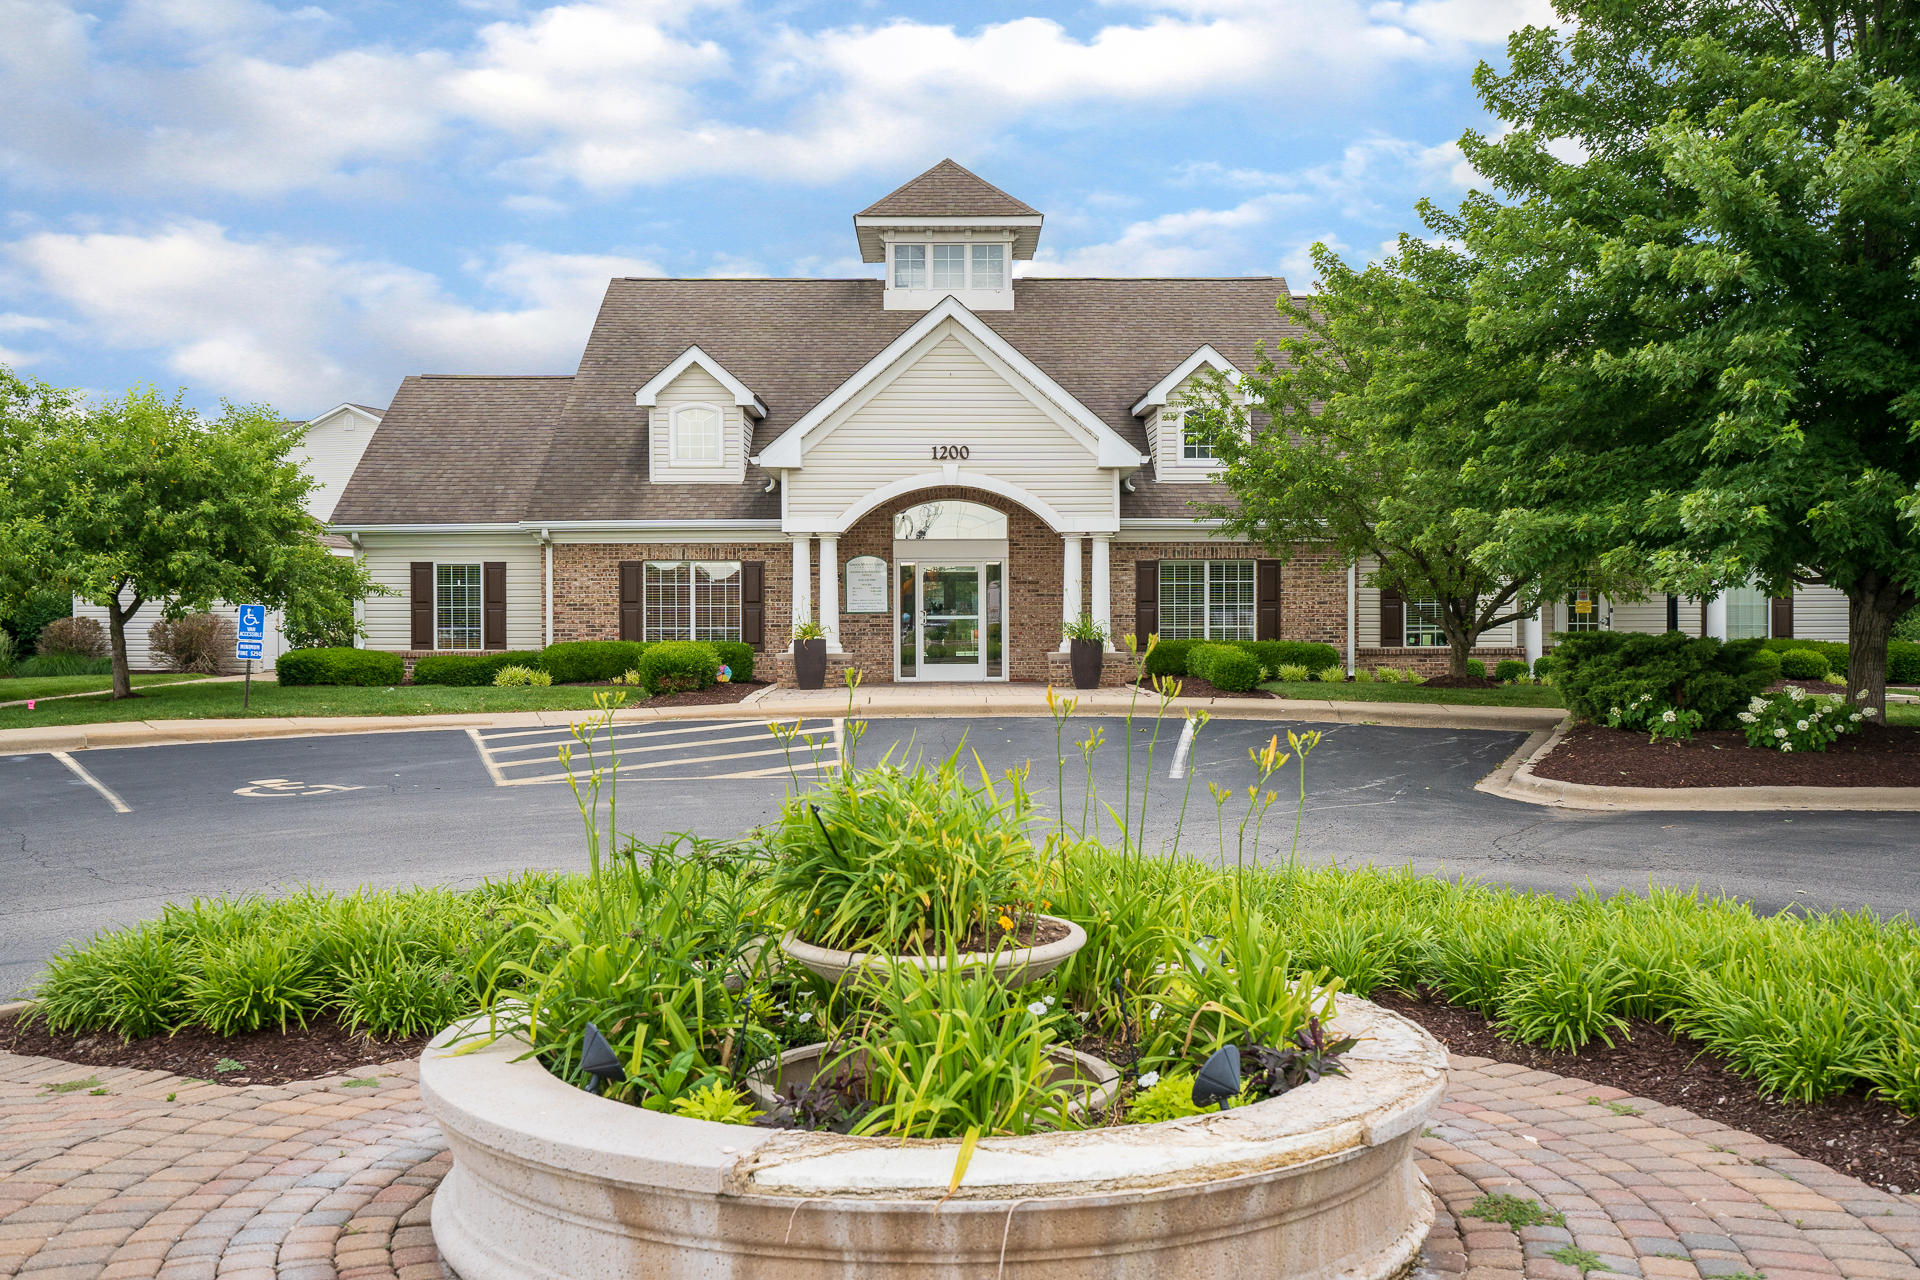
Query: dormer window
x: 925, y: 271
x: 694, y: 435
x: 1192, y: 449
x: 950, y: 266
x: 909, y: 266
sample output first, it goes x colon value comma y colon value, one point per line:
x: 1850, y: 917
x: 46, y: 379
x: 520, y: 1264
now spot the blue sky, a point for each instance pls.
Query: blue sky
x: 300, y: 204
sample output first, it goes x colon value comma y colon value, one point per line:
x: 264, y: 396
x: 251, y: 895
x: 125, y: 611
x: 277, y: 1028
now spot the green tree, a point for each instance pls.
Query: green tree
x: 1383, y: 401
x: 143, y: 499
x: 1713, y: 236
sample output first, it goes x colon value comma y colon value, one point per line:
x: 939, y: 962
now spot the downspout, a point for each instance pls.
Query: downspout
x: 546, y: 544
x: 360, y: 605
x: 1353, y: 603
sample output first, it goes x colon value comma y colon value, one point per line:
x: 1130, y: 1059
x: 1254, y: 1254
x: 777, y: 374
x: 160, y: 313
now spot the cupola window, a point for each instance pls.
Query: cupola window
x: 910, y: 266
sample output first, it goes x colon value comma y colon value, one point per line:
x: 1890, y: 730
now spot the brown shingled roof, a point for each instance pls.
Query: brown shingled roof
x: 443, y: 451
x: 948, y: 191
x: 455, y: 449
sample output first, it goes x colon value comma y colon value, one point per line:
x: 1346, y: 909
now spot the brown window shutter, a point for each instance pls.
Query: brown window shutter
x: 1146, y: 600
x: 1266, y: 596
x: 493, y: 604
x: 420, y: 598
x: 631, y: 621
x: 1673, y: 612
x: 753, y: 602
x: 1783, y: 617
x: 1393, y: 619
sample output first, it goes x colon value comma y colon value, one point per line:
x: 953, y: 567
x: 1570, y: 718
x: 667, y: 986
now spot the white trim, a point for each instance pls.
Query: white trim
x: 354, y: 530
x: 370, y: 415
x: 719, y: 458
x: 546, y: 546
x: 946, y: 223
x: 935, y: 479
x: 648, y: 395
x: 789, y: 450
x: 1173, y: 529
x: 1157, y: 398
x: 481, y: 565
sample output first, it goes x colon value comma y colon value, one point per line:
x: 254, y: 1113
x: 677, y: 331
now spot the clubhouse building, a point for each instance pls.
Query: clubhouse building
x: 937, y: 465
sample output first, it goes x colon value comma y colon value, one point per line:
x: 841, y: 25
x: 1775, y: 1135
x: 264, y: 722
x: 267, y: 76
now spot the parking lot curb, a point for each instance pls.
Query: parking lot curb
x: 872, y: 703
x: 1516, y: 780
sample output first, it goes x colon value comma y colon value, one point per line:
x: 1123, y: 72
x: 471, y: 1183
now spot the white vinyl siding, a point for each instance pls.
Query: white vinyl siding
x: 696, y: 388
x: 949, y: 395
x: 329, y: 452
x: 1367, y: 618
x: 1173, y: 459
x: 389, y: 559
x: 1819, y: 613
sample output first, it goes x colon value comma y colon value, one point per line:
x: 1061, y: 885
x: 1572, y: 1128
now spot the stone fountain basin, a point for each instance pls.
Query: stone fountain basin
x: 1014, y: 967
x: 1098, y: 1079
x: 1319, y: 1184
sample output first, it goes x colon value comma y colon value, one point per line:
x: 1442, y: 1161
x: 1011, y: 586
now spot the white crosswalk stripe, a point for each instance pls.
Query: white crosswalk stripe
x: 682, y: 751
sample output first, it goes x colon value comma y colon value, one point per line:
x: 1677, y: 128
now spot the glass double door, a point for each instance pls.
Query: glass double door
x: 951, y: 621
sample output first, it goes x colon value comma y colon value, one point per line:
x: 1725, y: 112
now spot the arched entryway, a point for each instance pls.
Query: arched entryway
x: 949, y: 591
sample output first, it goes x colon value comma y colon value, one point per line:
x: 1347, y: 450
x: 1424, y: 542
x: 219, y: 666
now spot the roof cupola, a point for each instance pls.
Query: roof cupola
x: 948, y: 233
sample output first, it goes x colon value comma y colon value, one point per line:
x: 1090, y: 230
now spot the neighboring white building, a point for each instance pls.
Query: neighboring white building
x: 328, y: 452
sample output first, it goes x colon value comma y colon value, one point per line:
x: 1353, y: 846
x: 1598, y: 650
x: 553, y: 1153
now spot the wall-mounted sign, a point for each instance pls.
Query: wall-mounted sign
x: 867, y: 585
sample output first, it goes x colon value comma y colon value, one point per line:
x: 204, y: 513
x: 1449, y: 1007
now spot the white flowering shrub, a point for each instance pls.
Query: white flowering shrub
x: 1662, y: 722
x: 1793, y: 720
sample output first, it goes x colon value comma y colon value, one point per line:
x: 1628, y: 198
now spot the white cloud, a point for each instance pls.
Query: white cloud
x: 303, y: 325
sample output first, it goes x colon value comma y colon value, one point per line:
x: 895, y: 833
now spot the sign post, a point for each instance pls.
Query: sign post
x: 250, y: 634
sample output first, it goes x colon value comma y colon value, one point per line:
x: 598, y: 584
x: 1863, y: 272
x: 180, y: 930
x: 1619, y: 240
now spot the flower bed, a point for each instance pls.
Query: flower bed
x: 1878, y: 756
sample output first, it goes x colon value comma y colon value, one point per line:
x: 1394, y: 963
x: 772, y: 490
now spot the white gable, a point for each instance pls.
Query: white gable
x: 330, y: 451
x: 695, y: 395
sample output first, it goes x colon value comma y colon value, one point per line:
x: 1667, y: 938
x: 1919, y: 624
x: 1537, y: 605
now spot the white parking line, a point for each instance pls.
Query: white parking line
x: 80, y: 772
x: 686, y: 748
x: 1179, y: 769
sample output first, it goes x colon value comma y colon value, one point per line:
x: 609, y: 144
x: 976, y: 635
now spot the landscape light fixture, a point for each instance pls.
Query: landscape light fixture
x: 822, y: 824
x: 1218, y: 1079
x: 598, y: 1060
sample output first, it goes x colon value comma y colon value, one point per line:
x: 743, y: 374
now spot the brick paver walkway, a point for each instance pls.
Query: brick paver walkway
x: 159, y: 1176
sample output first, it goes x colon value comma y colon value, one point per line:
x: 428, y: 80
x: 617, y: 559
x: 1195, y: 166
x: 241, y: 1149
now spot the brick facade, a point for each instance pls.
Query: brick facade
x: 1433, y: 660
x: 586, y: 583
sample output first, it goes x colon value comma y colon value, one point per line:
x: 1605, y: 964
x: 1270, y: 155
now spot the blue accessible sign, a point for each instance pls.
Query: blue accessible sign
x: 251, y: 631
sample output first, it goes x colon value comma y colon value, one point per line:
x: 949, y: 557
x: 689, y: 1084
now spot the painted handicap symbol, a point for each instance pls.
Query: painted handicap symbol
x: 265, y: 787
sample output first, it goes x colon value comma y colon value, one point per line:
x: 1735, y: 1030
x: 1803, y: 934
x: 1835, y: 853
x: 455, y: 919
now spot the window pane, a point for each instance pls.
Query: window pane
x: 667, y: 601
x: 949, y: 266
x: 696, y: 435
x: 1583, y: 610
x: 1191, y: 450
x: 456, y: 619
x: 1183, y: 599
x: 909, y: 266
x: 1747, y: 614
x: 950, y: 519
x: 989, y: 266
x: 1423, y: 625
x: 1230, y: 600
x: 716, y: 600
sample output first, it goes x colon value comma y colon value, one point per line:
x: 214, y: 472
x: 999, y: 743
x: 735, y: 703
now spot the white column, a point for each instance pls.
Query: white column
x: 1070, y: 584
x: 1717, y: 617
x: 830, y: 590
x: 1531, y: 630
x: 1102, y: 609
x: 802, y: 579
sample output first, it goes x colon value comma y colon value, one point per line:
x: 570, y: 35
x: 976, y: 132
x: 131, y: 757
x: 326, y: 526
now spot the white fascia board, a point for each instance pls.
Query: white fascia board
x: 1157, y: 397
x: 647, y: 396
x: 339, y: 409
x: 514, y: 526
x: 789, y: 450
x: 948, y: 224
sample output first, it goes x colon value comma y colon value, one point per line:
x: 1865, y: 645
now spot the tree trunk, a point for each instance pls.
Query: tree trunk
x: 1460, y: 648
x: 117, y: 634
x: 1873, y: 606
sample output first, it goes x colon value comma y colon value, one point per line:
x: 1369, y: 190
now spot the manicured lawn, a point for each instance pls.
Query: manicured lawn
x: 1509, y: 695
x: 49, y: 686
x: 1904, y: 713
x: 205, y: 701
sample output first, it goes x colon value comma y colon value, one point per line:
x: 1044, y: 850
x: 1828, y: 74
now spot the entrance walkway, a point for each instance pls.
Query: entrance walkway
x: 119, y: 1174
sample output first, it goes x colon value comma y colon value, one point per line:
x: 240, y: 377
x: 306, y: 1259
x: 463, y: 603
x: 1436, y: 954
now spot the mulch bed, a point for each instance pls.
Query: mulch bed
x: 1878, y: 756
x: 712, y: 695
x: 1195, y: 687
x: 1874, y: 1141
x: 323, y: 1048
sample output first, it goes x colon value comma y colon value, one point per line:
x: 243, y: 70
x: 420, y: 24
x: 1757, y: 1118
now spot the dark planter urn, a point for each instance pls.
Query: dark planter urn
x: 1087, y: 657
x: 810, y: 663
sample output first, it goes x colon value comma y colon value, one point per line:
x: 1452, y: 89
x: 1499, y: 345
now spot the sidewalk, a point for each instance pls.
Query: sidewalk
x: 164, y: 1177
x: 875, y: 701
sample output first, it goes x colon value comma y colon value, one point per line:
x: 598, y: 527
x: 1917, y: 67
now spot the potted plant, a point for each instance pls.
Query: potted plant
x: 1087, y: 648
x: 809, y: 655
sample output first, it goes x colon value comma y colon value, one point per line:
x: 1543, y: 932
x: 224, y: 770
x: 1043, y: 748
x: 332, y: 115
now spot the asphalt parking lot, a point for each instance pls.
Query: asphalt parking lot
x: 104, y: 837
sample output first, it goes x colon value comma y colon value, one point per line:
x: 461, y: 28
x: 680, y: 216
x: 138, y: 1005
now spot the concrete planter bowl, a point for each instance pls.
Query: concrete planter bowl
x: 1098, y: 1078
x: 1015, y: 967
x: 549, y: 1181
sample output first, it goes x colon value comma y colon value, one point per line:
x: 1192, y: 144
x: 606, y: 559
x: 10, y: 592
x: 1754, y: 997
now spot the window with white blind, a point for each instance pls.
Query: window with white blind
x: 1748, y: 614
x: 457, y: 613
x: 1206, y: 599
x: 1423, y: 629
x: 691, y: 600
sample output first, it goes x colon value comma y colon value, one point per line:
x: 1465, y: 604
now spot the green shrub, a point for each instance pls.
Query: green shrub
x: 1903, y: 662
x: 73, y: 637
x: 1602, y: 670
x: 128, y: 982
x: 677, y: 666
x: 365, y: 667
x: 1544, y: 666
x: 34, y: 612
x: 389, y: 995
x: 1834, y: 651
x: 738, y: 657
x: 1232, y: 669
x: 1803, y: 664
x: 263, y: 979
x: 201, y: 642
x: 1272, y: 654
x: 1167, y: 1096
x: 62, y: 664
x: 1508, y: 670
x: 1767, y: 662
x: 9, y: 654
x: 1169, y: 657
x: 516, y: 677
x: 471, y: 670
x: 587, y: 661
x: 1291, y: 673
x: 1333, y: 673
x: 1791, y: 721
x: 1476, y: 668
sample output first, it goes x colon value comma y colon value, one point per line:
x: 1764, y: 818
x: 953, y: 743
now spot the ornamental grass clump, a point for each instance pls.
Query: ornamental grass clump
x: 903, y: 860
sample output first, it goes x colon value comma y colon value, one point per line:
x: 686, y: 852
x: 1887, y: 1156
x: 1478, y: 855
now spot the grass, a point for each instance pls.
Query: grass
x: 1509, y: 695
x: 53, y: 686
x: 1579, y: 1259
x: 1515, y: 1212
x: 222, y: 701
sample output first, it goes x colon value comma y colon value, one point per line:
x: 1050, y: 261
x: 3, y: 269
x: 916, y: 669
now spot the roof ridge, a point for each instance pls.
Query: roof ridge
x: 948, y: 167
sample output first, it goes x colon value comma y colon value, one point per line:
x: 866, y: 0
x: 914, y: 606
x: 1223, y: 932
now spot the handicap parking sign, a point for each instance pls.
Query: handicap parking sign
x: 247, y: 649
x: 253, y: 622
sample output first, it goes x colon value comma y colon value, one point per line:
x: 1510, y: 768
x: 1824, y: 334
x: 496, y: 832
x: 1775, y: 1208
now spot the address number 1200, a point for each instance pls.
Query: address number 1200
x: 951, y: 453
